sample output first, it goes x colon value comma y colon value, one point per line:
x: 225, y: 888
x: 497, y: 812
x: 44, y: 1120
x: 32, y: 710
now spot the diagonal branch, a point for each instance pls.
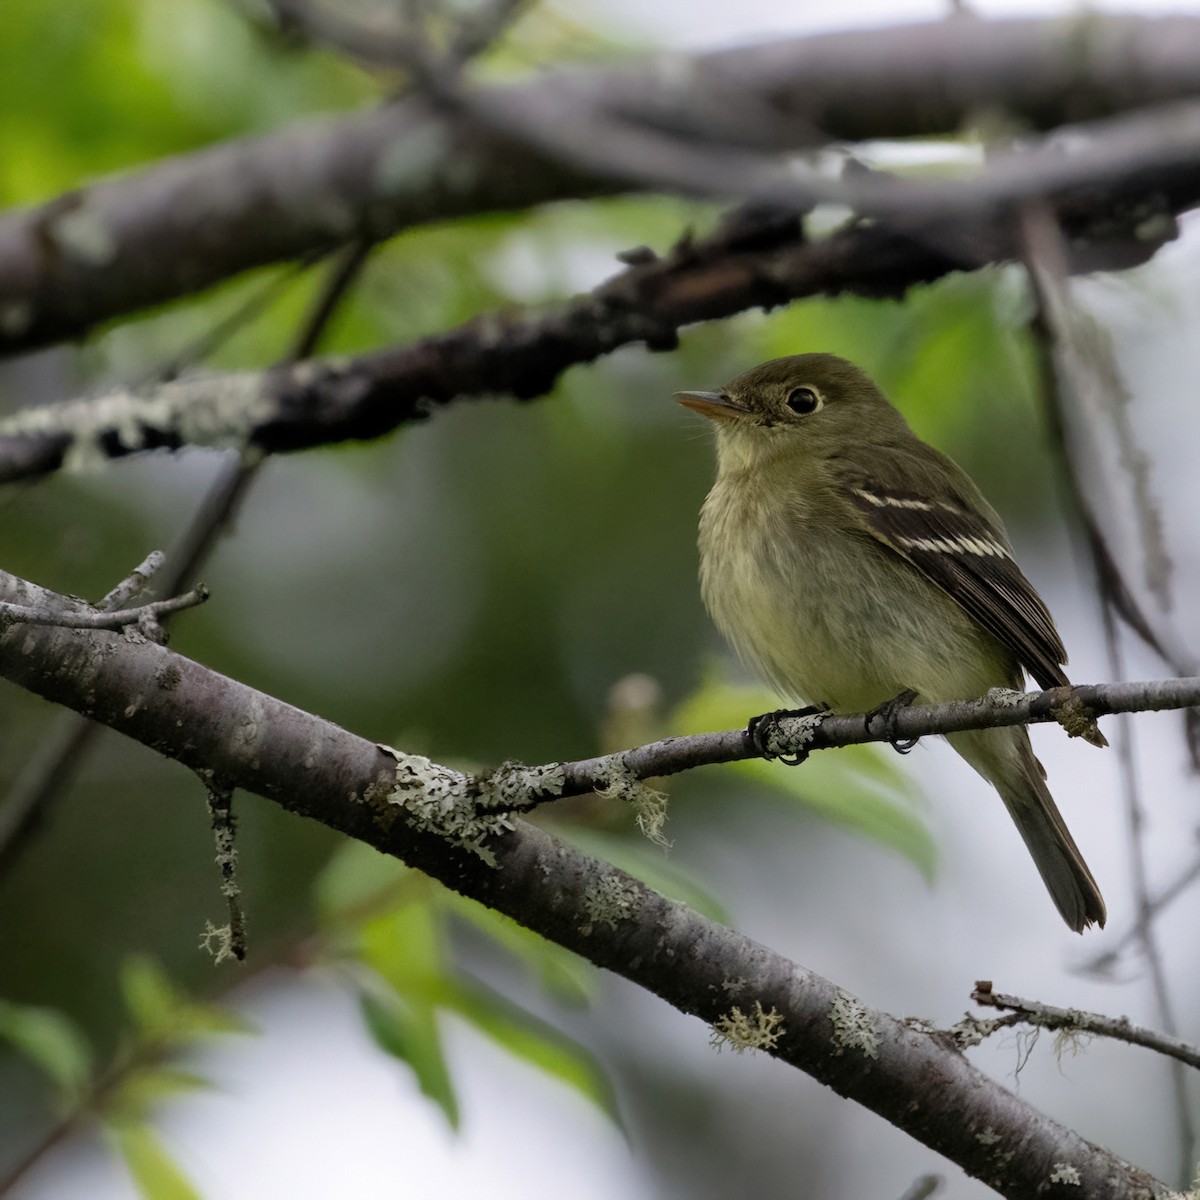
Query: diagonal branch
x: 912, y: 1077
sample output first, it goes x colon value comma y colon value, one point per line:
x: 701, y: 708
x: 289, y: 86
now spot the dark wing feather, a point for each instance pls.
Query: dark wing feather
x: 969, y: 558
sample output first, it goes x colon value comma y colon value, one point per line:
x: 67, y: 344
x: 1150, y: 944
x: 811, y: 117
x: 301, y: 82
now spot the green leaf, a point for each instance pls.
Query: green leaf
x: 856, y: 787
x: 143, y: 1090
x: 410, y: 1033
x: 525, y: 1036
x: 160, y: 1010
x: 50, y: 1039
x: 154, y: 1171
x: 564, y: 974
x: 152, y: 999
x: 404, y: 948
x: 355, y: 877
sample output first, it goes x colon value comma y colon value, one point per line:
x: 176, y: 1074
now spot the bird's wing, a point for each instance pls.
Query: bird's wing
x: 968, y: 556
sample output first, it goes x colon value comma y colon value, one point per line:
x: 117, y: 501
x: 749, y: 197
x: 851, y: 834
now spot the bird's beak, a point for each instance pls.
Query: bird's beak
x: 710, y: 404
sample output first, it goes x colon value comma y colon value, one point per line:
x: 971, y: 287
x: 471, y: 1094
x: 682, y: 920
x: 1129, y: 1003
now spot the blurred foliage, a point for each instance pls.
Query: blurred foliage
x: 127, y: 1094
x: 471, y: 588
x: 857, y: 786
x: 390, y: 927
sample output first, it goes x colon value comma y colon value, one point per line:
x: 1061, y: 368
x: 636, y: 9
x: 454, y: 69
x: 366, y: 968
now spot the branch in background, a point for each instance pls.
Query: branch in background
x: 53, y: 765
x: 1084, y: 370
x: 1075, y: 1021
x: 172, y: 229
x: 1143, y: 161
x: 1105, y: 962
x: 1084, y: 392
x: 384, y: 40
x: 757, y: 258
x: 911, y: 1077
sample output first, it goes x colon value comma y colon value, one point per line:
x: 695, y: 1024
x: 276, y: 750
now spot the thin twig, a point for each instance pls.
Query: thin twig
x: 802, y: 735
x: 98, y: 619
x: 135, y: 583
x: 230, y: 941
x: 55, y: 764
x: 1047, y: 1016
x: 1104, y: 962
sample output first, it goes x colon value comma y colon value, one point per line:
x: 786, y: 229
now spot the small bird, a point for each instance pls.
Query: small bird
x: 849, y: 562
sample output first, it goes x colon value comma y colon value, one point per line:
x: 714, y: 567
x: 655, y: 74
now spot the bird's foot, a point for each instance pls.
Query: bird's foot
x: 766, y: 736
x: 886, y: 712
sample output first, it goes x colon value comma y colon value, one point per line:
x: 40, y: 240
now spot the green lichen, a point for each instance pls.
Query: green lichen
x: 853, y: 1026
x: 742, y: 1031
x: 608, y: 900
x: 441, y: 801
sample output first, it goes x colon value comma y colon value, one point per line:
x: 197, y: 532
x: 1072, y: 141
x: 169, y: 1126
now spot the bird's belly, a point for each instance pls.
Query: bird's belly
x: 849, y: 624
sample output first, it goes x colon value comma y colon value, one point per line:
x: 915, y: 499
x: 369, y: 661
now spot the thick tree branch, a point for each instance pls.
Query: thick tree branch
x: 124, y: 243
x: 910, y: 1076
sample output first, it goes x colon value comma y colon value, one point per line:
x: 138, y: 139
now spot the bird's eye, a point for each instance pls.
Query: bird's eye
x: 803, y: 400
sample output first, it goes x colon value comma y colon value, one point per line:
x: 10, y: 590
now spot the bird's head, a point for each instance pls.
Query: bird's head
x: 802, y: 405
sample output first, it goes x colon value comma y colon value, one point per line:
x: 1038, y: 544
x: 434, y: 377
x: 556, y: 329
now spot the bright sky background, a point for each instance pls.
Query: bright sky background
x: 697, y: 23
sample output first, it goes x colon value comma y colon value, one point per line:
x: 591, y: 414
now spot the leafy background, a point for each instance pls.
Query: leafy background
x: 513, y: 580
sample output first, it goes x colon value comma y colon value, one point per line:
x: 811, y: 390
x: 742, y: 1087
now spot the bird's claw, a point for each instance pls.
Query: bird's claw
x: 764, y: 733
x: 887, y: 713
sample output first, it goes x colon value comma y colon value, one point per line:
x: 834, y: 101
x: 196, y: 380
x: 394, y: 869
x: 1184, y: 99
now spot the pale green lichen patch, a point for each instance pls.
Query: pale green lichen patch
x: 218, y: 411
x: 1065, y: 1173
x: 742, y: 1031
x: 84, y: 237
x: 1005, y: 697
x: 513, y: 785
x: 622, y: 783
x: 607, y: 900
x: 217, y: 940
x: 441, y: 801
x: 987, y: 1137
x: 853, y: 1026
x: 790, y: 737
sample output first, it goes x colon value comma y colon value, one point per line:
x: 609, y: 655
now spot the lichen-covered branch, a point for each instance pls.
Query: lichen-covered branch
x: 798, y: 736
x: 121, y: 244
x: 911, y: 1076
x: 1074, y: 1021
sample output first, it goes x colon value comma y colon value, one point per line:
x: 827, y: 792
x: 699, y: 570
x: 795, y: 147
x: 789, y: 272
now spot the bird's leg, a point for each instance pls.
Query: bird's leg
x: 887, y: 712
x: 764, y: 733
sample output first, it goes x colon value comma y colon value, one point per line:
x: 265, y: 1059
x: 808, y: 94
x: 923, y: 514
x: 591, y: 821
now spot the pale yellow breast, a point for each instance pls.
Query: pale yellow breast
x: 827, y: 614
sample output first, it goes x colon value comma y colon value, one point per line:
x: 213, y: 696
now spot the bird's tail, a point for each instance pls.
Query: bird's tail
x: 1005, y: 757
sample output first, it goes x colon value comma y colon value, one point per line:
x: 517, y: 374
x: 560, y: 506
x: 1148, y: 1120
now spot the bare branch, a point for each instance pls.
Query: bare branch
x: 101, y: 618
x: 757, y: 258
x: 1083, y: 391
x: 1074, y: 1020
x: 174, y: 228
